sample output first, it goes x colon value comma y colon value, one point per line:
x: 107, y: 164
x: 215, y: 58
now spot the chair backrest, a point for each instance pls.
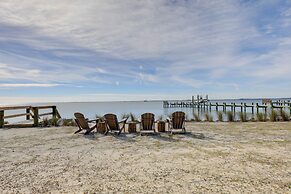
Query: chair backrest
x: 147, y: 121
x: 112, y: 122
x: 178, y: 119
x: 81, y: 121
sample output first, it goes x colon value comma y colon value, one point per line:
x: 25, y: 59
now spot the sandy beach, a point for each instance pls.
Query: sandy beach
x: 212, y: 158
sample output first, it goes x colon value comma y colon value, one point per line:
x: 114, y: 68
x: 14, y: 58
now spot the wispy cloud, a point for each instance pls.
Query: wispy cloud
x: 27, y: 85
x: 108, y: 45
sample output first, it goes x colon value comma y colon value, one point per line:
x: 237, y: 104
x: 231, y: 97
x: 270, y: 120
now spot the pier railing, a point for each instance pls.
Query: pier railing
x: 31, y: 113
x: 228, y: 106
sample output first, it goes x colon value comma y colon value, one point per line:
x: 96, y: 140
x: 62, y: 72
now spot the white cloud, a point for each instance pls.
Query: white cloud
x: 134, y: 29
x: 27, y: 85
x: 175, y: 39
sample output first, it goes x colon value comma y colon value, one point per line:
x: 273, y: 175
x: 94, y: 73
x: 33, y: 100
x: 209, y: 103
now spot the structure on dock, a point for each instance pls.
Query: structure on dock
x: 31, y: 115
x: 186, y: 103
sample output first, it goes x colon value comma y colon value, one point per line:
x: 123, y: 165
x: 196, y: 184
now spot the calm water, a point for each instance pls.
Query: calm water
x: 91, y: 109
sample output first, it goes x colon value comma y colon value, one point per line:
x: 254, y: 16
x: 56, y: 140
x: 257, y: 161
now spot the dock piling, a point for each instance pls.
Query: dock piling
x: 35, y: 118
x: 28, y: 114
x: 1, y: 118
x: 54, y: 111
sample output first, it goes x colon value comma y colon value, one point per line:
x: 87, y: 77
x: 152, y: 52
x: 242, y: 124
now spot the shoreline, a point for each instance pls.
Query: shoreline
x: 146, y: 100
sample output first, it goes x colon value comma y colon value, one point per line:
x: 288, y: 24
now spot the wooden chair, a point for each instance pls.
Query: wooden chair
x: 177, y: 122
x: 113, y: 125
x: 147, y: 123
x: 83, y: 123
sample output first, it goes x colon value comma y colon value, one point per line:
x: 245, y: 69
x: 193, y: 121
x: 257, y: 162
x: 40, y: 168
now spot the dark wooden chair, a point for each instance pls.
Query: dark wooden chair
x: 83, y: 123
x: 177, y: 122
x: 113, y: 125
x: 147, y: 123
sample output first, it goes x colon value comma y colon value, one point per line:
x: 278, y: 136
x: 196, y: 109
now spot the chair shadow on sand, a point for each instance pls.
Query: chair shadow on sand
x: 125, y: 137
x: 91, y: 136
x: 200, y: 136
x: 163, y: 137
x: 158, y: 136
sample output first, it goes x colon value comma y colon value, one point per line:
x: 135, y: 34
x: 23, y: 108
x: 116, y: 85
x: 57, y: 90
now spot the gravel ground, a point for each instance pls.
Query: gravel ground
x: 248, y: 157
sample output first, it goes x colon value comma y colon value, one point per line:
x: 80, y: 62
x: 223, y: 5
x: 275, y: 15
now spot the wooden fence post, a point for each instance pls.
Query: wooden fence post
x: 252, y: 108
x: 257, y: 104
x: 54, y: 112
x: 1, y: 118
x: 35, y: 116
x: 27, y: 112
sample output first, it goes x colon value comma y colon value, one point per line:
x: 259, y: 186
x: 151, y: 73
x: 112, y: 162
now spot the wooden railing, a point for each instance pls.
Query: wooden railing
x: 31, y: 112
x: 232, y: 106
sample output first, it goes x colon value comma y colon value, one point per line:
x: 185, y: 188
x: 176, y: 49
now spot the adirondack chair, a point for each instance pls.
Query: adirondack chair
x: 177, y: 122
x: 83, y: 123
x: 113, y: 125
x: 147, y: 123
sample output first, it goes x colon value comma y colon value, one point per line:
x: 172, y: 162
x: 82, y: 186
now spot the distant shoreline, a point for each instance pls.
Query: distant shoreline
x: 122, y: 101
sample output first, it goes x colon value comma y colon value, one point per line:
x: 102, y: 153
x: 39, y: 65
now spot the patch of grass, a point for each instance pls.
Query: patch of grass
x: 220, y: 116
x: 261, y: 117
x: 45, y: 122
x: 273, y: 115
x: 284, y: 115
x: 230, y: 116
x: 243, y: 117
x: 196, y: 117
x: 208, y: 117
x: 54, y: 121
x: 69, y: 122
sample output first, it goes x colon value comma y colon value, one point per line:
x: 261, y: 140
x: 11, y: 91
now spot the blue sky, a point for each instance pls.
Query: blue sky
x: 134, y: 50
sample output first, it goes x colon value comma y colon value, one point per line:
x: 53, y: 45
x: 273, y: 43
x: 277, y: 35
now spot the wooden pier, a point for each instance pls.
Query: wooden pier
x: 242, y: 107
x: 31, y: 113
